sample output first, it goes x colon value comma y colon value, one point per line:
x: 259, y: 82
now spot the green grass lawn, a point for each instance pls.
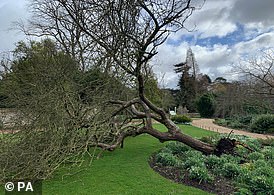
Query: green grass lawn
x: 124, y: 171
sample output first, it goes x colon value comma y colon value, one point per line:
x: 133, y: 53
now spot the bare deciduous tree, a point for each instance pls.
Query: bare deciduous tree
x: 259, y: 70
x: 129, y: 33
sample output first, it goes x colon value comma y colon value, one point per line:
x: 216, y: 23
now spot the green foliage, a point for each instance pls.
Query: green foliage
x: 263, y: 123
x: 268, y: 152
x: 231, y: 170
x: 261, y: 185
x: 94, y: 82
x: 167, y: 159
x: 255, y: 156
x: 152, y: 91
x: 214, y: 162
x: 180, y: 119
x: 192, y: 158
x: 200, y: 173
x: 255, y: 176
x: 255, y: 123
x: 177, y: 147
x: 40, y: 74
x: 256, y: 107
x: 206, y: 105
x: 192, y: 161
x: 221, y: 122
x: 243, y: 191
x: 245, y: 120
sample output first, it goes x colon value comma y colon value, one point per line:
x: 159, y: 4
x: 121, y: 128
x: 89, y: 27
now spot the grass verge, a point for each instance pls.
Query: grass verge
x: 124, y: 171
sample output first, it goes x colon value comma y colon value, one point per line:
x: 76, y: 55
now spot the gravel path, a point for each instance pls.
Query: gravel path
x: 209, y: 125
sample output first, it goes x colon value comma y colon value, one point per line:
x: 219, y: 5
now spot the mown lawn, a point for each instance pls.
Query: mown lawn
x: 124, y: 171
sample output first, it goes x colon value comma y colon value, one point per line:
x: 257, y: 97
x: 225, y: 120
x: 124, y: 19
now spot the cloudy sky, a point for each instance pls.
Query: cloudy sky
x: 225, y: 31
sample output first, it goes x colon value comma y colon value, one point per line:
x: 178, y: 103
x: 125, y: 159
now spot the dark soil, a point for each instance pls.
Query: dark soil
x: 218, y: 186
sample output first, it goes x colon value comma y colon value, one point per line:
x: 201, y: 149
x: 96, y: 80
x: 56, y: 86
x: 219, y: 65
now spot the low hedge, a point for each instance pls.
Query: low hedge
x: 263, y: 123
x: 181, y: 119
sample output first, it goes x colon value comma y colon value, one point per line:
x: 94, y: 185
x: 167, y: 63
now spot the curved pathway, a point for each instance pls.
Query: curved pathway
x: 209, y: 125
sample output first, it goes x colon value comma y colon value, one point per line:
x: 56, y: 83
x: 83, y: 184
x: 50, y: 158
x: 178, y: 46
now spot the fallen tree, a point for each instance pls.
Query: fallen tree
x: 64, y: 118
x: 129, y: 32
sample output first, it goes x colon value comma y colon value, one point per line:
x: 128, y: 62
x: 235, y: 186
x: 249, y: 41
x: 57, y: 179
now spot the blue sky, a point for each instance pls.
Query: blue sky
x: 223, y: 32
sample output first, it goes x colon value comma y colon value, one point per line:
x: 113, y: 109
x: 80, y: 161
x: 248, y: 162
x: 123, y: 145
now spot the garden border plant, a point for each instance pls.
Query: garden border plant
x: 248, y: 171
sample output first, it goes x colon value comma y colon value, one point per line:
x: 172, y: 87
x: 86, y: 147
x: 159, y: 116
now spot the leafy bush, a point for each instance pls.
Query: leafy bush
x: 193, y: 158
x: 192, y: 161
x: 261, y: 185
x: 262, y: 169
x: 263, y: 123
x: 255, y: 156
x: 236, y: 125
x: 206, y: 105
x: 167, y: 159
x: 215, y: 163
x: 180, y: 119
x: 245, y: 120
x: 268, y: 153
x: 200, y: 174
x: 231, y: 170
x: 255, y: 176
x: 177, y: 147
x: 243, y: 191
x: 221, y: 122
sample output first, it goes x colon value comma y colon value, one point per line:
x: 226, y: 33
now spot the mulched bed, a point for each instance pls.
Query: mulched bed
x: 218, y: 186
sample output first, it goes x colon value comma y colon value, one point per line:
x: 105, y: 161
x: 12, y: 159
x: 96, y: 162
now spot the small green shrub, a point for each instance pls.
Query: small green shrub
x: 213, y: 139
x: 243, y: 191
x: 192, y: 161
x: 252, y: 143
x: 206, y: 105
x: 165, y: 150
x: 193, y: 158
x: 236, y: 125
x: 268, y: 153
x: 231, y: 159
x: 215, y: 163
x: 177, y: 147
x: 181, y: 119
x: 221, y: 122
x: 255, y: 156
x: 263, y: 170
x: 231, y: 170
x: 200, y: 173
x: 194, y: 153
x: 167, y: 159
x: 259, y: 163
x: 261, y: 185
x: 263, y: 123
x: 245, y: 120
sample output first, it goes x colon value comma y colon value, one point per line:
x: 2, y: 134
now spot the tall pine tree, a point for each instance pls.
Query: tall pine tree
x: 187, y: 83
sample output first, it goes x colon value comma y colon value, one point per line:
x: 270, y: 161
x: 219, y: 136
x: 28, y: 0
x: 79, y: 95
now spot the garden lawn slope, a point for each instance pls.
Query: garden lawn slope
x: 124, y: 171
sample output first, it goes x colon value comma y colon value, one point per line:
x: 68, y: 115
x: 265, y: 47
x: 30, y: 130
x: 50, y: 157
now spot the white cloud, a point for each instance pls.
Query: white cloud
x: 265, y: 40
x: 219, y: 19
x: 10, y: 11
